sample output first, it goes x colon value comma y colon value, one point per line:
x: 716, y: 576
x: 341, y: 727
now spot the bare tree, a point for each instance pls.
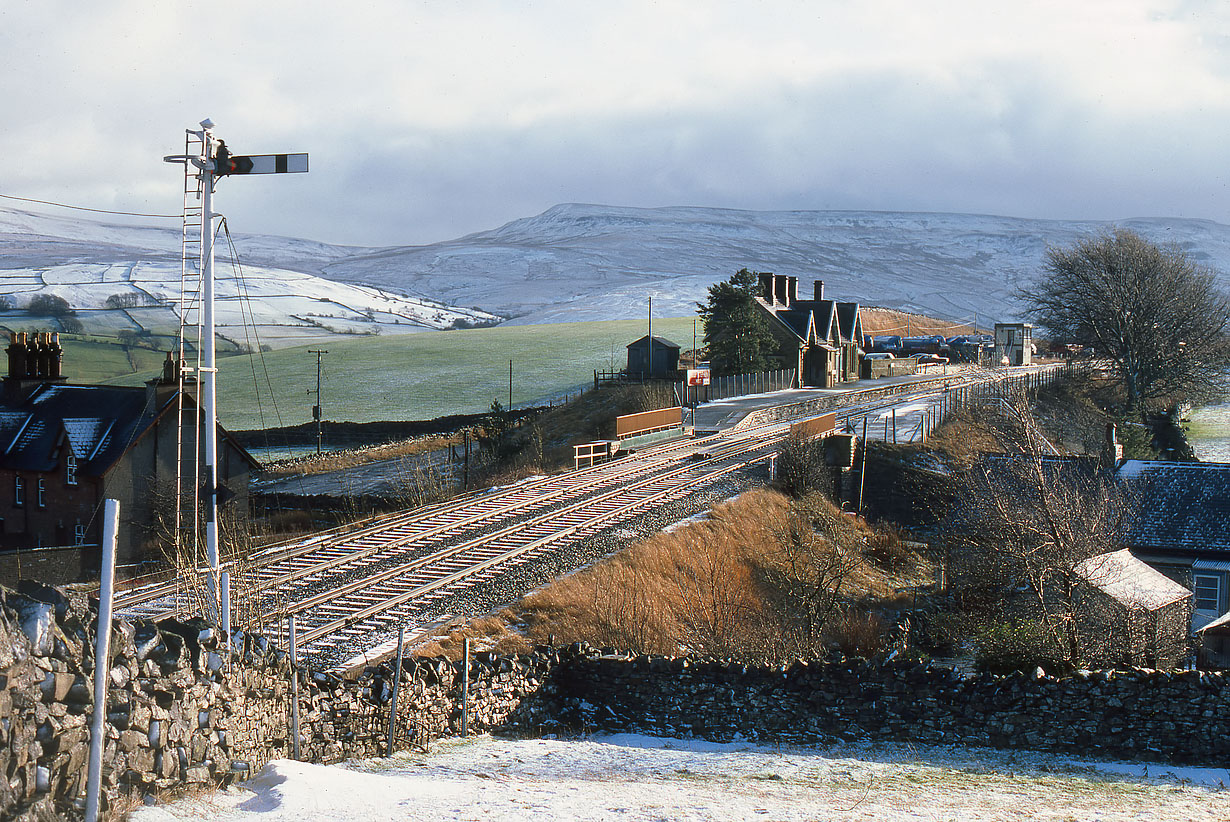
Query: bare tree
x: 1027, y: 521
x: 1156, y: 314
x: 815, y: 563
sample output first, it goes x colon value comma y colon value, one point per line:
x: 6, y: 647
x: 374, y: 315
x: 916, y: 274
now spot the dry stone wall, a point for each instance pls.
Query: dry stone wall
x: 1179, y: 716
x: 184, y: 708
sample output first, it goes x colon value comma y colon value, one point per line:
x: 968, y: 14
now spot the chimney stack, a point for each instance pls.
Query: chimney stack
x: 818, y: 290
x: 17, y: 355
x: 766, y: 287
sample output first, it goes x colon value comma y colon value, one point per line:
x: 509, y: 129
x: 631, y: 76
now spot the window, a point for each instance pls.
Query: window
x: 78, y: 534
x: 42, y: 493
x: 19, y: 491
x: 1208, y: 593
x: 70, y: 470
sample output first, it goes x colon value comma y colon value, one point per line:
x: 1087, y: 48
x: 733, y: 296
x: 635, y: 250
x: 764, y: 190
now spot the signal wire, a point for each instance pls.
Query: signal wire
x: 95, y: 210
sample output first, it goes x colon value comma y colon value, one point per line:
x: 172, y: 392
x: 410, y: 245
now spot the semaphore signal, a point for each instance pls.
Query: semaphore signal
x: 215, y: 160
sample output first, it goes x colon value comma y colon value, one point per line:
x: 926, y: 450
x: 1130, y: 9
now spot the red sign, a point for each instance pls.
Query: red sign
x: 698, y: 376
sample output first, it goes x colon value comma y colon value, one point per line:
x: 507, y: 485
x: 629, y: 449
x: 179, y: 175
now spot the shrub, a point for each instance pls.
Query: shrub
x: 800, y: 466
x: 1004, y: 647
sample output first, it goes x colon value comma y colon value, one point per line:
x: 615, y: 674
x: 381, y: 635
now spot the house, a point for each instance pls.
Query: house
x: 64, y: 448
x: 1183, y: 529
x: 820, y: 338
x: 665, y: 356
x: 1131, y: 613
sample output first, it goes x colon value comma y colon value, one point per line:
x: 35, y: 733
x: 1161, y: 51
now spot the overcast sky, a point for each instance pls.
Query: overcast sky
x: 426, y: 121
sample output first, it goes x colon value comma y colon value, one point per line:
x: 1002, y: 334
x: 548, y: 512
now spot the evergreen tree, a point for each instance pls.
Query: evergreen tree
x: 736, y: 329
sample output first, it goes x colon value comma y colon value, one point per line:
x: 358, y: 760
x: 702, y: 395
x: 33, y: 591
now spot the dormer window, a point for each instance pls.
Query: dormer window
x: 70, y: 470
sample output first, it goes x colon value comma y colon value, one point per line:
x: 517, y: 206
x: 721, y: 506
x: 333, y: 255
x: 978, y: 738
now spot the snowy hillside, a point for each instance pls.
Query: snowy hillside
x: 126, y: 278
x: 572, y: 262
x: 582, y: 262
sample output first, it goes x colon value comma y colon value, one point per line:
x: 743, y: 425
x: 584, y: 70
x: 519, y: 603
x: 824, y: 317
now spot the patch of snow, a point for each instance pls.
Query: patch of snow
x: 641, y: 778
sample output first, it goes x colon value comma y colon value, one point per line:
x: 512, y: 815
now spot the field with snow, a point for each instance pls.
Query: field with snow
x: 571, y: 263
x: 269, y: 297
x: 637, y: 778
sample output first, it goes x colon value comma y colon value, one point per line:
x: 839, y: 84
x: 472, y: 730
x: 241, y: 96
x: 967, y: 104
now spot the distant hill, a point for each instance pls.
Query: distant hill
x: 127, y: 279
x: 578, y: 262
x: 587, y: 262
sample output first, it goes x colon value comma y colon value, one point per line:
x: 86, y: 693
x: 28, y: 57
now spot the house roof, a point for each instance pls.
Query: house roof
x: 817, y: 322
x: 97, y: 423
x: 656, y: 341
x: 1186, y: 505
x: 1130, y: 581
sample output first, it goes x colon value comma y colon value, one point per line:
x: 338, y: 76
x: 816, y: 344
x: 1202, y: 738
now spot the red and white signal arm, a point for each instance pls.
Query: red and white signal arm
x: 698, y: 376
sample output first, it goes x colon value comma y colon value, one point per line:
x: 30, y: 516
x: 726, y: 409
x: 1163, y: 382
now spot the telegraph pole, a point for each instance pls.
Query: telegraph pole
x: 216, y: 161
x: 316, y: 415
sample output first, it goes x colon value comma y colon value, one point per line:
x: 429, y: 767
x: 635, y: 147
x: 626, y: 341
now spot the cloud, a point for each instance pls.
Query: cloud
x: 429, y: 120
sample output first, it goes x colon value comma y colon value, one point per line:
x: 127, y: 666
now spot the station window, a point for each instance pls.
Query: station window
x: 78, y: 534
x: 19, y: 491
x: 1207, y: 589
x: 42, y: 492
x: 70, y: 470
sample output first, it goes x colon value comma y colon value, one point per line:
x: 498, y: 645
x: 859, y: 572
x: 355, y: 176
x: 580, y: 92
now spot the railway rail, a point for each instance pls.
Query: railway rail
x: 349, y: 587
x: 350, y: 581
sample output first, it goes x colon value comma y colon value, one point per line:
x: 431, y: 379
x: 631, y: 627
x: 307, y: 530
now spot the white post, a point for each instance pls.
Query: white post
x: 226, y: 608
x: 102, y: 656
x: 465, y: 688
x: 207, y: 379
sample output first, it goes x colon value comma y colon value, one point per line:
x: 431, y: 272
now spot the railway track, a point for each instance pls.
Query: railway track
x: 348, y: 588
x: 351, y: 582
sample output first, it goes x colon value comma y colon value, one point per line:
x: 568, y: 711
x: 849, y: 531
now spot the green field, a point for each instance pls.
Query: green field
x: 421, y: 376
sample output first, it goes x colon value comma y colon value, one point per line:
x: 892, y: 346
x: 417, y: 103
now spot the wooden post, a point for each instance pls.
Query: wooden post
x: 294, y: 690
x: 401, y: 641
x: 862, y: 471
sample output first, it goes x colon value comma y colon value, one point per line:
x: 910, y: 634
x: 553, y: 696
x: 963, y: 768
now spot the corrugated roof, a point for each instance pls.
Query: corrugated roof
x: 1131, y: 582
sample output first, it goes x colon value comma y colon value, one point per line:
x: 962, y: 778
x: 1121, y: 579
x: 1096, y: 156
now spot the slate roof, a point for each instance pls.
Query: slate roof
x: 813, y: 321
x: 1186, y: 506
x: 1131, y: 582
x: 96, y: 422
x: 662, y: 341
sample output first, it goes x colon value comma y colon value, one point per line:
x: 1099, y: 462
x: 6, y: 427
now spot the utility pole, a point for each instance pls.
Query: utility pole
x: 316, y: 413
x: 216, y: 161
x: 510, y: 385
x: 649, y: 339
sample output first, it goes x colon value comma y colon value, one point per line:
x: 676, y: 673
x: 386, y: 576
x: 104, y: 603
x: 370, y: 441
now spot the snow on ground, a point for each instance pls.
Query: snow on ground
x: 636, y: 778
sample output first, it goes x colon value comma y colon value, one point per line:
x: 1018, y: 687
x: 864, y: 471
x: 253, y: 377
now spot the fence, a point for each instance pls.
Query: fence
x: 997, y: 391
x: 736, y: 385
x: 646, y: 422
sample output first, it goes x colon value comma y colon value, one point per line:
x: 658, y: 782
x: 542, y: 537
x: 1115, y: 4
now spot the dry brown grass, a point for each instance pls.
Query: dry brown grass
x: 965, y: 437
x: 727, y: 587
x: 903, y: 323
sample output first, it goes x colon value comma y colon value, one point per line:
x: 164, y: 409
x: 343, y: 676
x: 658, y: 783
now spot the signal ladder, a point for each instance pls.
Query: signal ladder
x: 187, y: 471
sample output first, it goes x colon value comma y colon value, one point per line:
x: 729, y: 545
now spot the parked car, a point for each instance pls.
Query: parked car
x: 880, y: 355
x: 926, y: 359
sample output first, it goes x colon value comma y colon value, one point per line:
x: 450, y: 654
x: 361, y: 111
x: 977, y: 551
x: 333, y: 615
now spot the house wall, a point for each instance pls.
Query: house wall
x: 142, y: 481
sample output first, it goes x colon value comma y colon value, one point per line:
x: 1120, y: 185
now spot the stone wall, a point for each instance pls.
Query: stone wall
x: 1181, y: 716
x: 183, y: 708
